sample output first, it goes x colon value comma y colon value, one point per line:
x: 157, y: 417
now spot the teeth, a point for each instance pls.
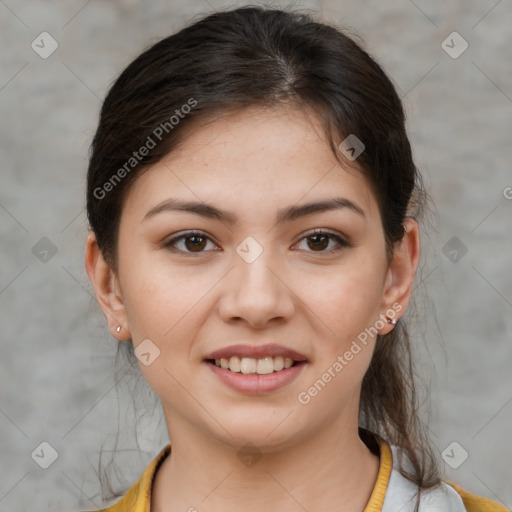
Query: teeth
x: 278, y: 363
x: 234, y: 364
x: 265, y: 366
x: 248, y: 365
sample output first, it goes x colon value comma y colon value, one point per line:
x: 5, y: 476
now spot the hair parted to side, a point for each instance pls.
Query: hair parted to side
x: 262, y: 56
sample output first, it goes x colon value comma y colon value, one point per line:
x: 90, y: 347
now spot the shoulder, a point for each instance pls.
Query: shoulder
x: 475, y: 503
x: 138, y: 497
x: 401, y: 494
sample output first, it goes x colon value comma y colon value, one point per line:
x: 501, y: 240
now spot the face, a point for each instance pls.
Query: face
x: 249, y: 273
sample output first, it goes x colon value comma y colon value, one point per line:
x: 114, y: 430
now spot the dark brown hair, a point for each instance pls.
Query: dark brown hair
x: 261, y: 56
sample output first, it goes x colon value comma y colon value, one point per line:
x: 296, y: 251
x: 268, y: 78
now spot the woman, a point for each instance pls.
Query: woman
x: 254, y: 211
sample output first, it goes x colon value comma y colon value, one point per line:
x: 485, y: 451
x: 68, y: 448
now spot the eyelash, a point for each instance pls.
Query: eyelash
x: 189, y: 234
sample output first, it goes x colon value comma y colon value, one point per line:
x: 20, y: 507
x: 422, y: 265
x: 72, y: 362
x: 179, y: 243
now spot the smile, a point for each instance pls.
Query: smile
x: 249, y: 365
x: 256, y: 369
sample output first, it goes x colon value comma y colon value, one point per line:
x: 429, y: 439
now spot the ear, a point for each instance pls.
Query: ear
x: 107, y: 289
x: 401, y: 272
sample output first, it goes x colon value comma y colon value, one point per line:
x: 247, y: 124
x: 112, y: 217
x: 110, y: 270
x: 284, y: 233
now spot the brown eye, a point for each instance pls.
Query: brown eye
x: 189, y: 243
x: 318, y: 241
x: 195, y: 243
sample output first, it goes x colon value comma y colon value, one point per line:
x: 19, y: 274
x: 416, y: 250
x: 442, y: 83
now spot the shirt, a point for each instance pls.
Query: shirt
x: 392, y: 491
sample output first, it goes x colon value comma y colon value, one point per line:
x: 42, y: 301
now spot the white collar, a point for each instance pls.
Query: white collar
x: 401, y: 494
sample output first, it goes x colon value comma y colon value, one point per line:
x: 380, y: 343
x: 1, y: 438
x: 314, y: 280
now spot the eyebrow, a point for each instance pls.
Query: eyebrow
x: 283, y: 215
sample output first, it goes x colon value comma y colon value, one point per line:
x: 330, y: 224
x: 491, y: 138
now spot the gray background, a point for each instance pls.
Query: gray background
x: 57, y: 379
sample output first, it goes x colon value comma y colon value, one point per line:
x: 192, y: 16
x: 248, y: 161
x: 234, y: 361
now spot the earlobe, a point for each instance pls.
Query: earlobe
x: 106, y: 288
x: 400, y: 277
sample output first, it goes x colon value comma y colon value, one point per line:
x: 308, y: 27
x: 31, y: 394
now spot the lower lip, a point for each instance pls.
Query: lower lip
x: 254, y: 384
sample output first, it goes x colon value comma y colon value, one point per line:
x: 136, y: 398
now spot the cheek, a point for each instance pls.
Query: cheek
x: 160, y: 297
x: 346, y: 299
x: 163, y: 306
x: 347, y: 304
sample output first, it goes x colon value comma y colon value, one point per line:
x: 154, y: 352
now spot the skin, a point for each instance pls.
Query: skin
x: 297, y: 294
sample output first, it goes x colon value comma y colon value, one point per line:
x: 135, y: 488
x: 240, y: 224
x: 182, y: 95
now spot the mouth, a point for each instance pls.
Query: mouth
x: 256, y: 369
x: 255, y: 366
x: 256, y: 374
x: 255, y: 359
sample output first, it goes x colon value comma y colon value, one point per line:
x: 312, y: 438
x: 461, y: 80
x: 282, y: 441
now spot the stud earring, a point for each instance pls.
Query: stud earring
x: 118, y: 328
x: 391, y: 320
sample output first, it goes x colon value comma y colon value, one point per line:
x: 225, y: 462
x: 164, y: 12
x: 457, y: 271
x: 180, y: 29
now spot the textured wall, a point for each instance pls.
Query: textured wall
x: 57, y: 379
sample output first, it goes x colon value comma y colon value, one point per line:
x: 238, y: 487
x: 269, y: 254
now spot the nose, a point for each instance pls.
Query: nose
x: 256, y: 292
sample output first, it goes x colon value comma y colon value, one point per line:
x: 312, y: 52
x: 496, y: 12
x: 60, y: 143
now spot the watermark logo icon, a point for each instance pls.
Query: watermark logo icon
x: 454, y: 455
x: 352, y: 147
x: 454, y: 45
x: 44, y: 250
x: 44, y: 45
x: 249, y: 250
x: 44, y: 455
x: 249, y: 455
x: 454, y: 249
x: 146, y: 352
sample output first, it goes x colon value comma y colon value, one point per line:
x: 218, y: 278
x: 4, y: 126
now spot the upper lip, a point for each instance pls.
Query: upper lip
x: 256, y: 352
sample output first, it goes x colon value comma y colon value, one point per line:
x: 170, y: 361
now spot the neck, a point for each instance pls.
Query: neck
x: 334, y: 471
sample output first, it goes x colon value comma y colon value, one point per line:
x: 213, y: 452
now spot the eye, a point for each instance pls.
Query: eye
x: 195, y: 242
x: 190, y: 242
x: 319, y: 240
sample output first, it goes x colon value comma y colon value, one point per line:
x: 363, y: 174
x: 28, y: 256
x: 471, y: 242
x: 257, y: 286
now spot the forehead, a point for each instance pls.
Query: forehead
x: 253, y: 157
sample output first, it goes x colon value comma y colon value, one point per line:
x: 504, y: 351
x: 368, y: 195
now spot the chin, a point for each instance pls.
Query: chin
x: 269, y: 433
